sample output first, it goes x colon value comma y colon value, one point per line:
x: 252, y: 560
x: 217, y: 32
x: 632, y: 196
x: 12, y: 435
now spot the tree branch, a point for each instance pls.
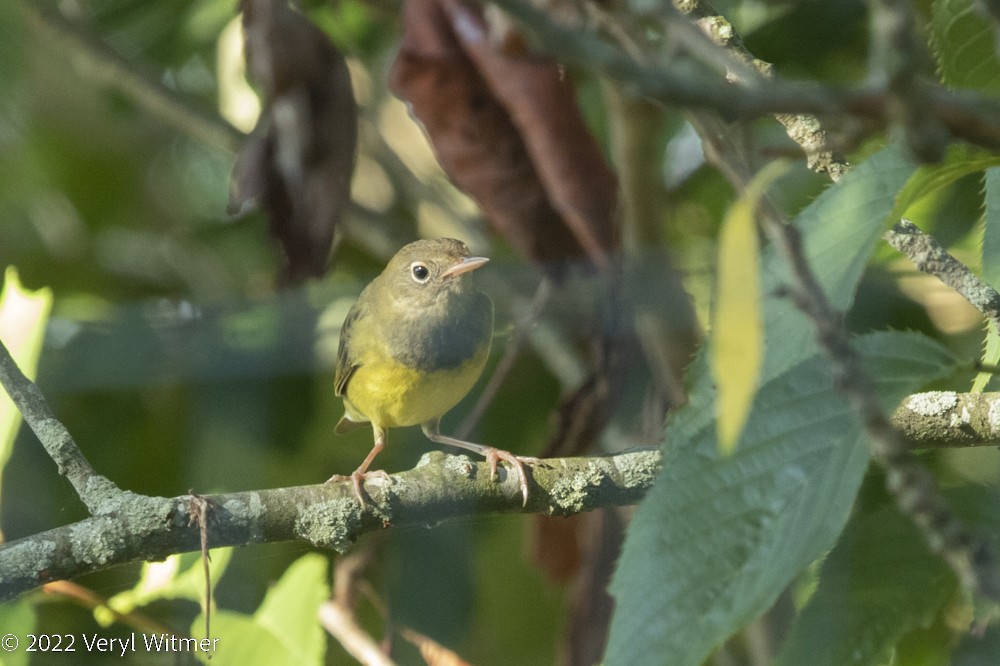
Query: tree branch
x: 127, y: 527
x: 945, y: 419
x: 965, y: 115
x: 440, y: 487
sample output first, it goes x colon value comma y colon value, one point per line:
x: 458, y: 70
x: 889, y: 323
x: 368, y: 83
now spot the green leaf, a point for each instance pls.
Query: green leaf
x: 839, y: 230
x: 719, y: 538
x: 960, y: 160
x: 879, y: 582
x: 991, y: 358
x: 284, y: 630
x: 732, y: 532
x: 241, y: 641
x: 290, y: 609
x: 991, y: 228
x: 23, y: 315
x: 738, y: 329
x: 991, y: 275
x: 177, y: 577
x: 964, y: 45
x: 881, y: 588
x: 17, y: 618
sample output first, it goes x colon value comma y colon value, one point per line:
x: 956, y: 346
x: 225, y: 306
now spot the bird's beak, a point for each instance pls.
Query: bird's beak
x: 464, y: 266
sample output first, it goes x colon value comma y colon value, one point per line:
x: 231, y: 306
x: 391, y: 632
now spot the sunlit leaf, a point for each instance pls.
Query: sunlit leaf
x: 284, y: 629
x: 959, y: 161
x: 241, y: 641
x: 738, y: 329
x: 18, y: 618
x: 289, y: 609
x: 23, y: 315
x: 176, y: 577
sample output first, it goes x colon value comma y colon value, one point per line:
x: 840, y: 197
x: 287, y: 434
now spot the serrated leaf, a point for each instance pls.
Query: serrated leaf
x: 839, y: 230
x: 879, y: 582
x: 960, y: 160
x: 732, y: 532
x: 738, y: 327
x: 284, y: 629
x: 991, y: 227
x: 991, y: 275
x: 23, y: 316
x: 991, y: 358
x: 964, y: 45
x: 719, y: 538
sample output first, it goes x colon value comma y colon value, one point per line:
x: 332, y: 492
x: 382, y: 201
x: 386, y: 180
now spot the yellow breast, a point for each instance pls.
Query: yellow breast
x: 390, y: 394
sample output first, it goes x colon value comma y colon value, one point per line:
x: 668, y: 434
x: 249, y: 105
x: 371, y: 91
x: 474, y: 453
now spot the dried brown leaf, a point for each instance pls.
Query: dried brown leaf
x: 590, y: 604
x: 555, y: 546
x: 540, y: 100
x: 552, y: 201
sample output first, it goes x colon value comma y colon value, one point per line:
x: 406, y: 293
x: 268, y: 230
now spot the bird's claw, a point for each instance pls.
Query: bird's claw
x: 357, y: 479
x: 493, y: 458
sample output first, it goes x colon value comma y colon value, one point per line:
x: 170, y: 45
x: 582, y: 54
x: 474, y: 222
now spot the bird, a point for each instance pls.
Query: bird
x: 412, y: 346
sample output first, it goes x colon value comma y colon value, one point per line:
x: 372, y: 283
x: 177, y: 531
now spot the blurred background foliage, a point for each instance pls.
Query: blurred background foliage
x: 178, y: 364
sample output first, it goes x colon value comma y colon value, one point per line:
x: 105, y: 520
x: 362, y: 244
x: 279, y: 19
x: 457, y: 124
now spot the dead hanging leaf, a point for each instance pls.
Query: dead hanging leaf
x: 507, y: 131
x: 590, y: 603
x: 298, y: 163
x: 554, y: 544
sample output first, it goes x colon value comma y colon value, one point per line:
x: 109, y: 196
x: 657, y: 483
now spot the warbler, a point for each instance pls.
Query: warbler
x: 412, y: 346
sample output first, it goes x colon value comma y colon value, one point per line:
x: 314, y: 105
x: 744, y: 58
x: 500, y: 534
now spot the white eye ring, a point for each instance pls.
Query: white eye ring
x: 420, y: 272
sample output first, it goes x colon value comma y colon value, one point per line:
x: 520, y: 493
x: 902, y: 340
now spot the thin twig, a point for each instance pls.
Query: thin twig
x: 506, y: 363
x: 91, y: 600
x: 338, y: 614
x: 343, y: 626
x: 929, y: 257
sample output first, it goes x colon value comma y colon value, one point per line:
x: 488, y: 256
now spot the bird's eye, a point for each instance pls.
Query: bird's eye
x: 419, y: 271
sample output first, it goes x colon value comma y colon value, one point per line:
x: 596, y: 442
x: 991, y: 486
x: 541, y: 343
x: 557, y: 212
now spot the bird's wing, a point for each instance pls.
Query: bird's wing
x: 347, y: 362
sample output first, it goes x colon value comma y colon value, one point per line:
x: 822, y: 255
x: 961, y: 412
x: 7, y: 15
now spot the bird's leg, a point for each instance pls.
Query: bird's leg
x: 357, y: 477
x: 492, y: 454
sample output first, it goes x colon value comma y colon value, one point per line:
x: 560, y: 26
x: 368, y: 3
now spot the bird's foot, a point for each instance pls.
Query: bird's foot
x: 494, y: 456
x: 357, y: 478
